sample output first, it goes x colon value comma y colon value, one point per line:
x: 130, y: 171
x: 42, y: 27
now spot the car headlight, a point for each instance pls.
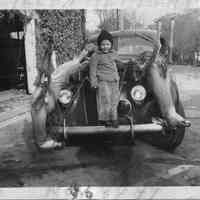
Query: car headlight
x: 65, y: 96
x: 138, y: 93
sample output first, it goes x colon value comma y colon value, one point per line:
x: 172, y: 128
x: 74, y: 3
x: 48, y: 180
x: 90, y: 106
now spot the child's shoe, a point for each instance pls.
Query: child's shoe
x: 108, y: 124
x: 115, y: 124
x: 101, y: 123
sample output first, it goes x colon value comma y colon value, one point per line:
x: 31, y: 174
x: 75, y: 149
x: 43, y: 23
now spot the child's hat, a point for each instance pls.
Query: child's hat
x: 104, y: 35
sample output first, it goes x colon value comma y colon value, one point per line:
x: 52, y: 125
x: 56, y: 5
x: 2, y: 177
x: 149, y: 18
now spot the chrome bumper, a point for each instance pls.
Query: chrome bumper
x: 91, y: 130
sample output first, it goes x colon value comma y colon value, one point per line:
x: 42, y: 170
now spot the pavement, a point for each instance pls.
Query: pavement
x: 13, y: 105
x: 138, y: 165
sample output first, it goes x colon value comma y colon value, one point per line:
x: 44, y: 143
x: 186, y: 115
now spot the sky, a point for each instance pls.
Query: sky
x: 92, y: 20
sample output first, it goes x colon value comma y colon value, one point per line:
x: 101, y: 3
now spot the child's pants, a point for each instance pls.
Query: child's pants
x: 107, y: 100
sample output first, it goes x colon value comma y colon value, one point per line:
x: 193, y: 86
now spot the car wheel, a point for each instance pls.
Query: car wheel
x: 170, y: 139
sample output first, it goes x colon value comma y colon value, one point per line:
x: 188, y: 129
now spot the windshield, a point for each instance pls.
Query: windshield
x: 133, y: 46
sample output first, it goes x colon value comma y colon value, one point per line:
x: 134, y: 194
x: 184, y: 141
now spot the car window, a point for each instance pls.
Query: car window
x: 133, y: 46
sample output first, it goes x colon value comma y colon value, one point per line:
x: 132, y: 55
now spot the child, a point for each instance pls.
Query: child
x: 104, y: 77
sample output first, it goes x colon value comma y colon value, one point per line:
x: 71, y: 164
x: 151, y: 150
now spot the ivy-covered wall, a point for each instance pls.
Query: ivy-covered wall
x: 59, y: 30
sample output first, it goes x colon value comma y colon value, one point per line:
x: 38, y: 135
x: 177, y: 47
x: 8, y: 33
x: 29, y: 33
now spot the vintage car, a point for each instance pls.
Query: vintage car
x: 74, y: 121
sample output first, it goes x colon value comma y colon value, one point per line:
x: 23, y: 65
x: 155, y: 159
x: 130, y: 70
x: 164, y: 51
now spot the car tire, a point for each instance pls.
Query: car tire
x: 170, y: 139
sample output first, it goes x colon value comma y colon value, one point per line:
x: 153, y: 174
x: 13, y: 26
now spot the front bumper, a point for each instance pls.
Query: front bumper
x: 80, y: 135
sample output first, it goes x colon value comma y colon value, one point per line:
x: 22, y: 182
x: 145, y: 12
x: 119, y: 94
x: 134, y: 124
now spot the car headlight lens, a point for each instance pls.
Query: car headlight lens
x: 138, y: 93
x: 65, y: 96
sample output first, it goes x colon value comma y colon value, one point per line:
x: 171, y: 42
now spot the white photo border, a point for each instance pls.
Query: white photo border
x: 175, y: 193
x: 117, y: 193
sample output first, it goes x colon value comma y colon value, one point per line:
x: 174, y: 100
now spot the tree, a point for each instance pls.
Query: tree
x: 108, y: 19
x: 186, y: 33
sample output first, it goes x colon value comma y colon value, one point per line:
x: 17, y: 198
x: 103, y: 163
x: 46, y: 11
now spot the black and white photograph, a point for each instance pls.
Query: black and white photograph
x: 100, y: 100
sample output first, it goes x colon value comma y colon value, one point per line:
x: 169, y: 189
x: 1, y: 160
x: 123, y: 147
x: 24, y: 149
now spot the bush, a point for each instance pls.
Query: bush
x: 61, y: 30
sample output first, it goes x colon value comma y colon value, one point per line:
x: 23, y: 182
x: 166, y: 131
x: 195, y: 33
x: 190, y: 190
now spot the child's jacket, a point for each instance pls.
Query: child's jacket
x: 103, y: 67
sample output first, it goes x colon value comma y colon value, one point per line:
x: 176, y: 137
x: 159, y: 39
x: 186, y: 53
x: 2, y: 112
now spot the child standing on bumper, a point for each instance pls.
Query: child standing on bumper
x: 104, y: 76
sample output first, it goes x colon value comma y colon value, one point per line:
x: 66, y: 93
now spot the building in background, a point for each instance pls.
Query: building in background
x: 24, y: 37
